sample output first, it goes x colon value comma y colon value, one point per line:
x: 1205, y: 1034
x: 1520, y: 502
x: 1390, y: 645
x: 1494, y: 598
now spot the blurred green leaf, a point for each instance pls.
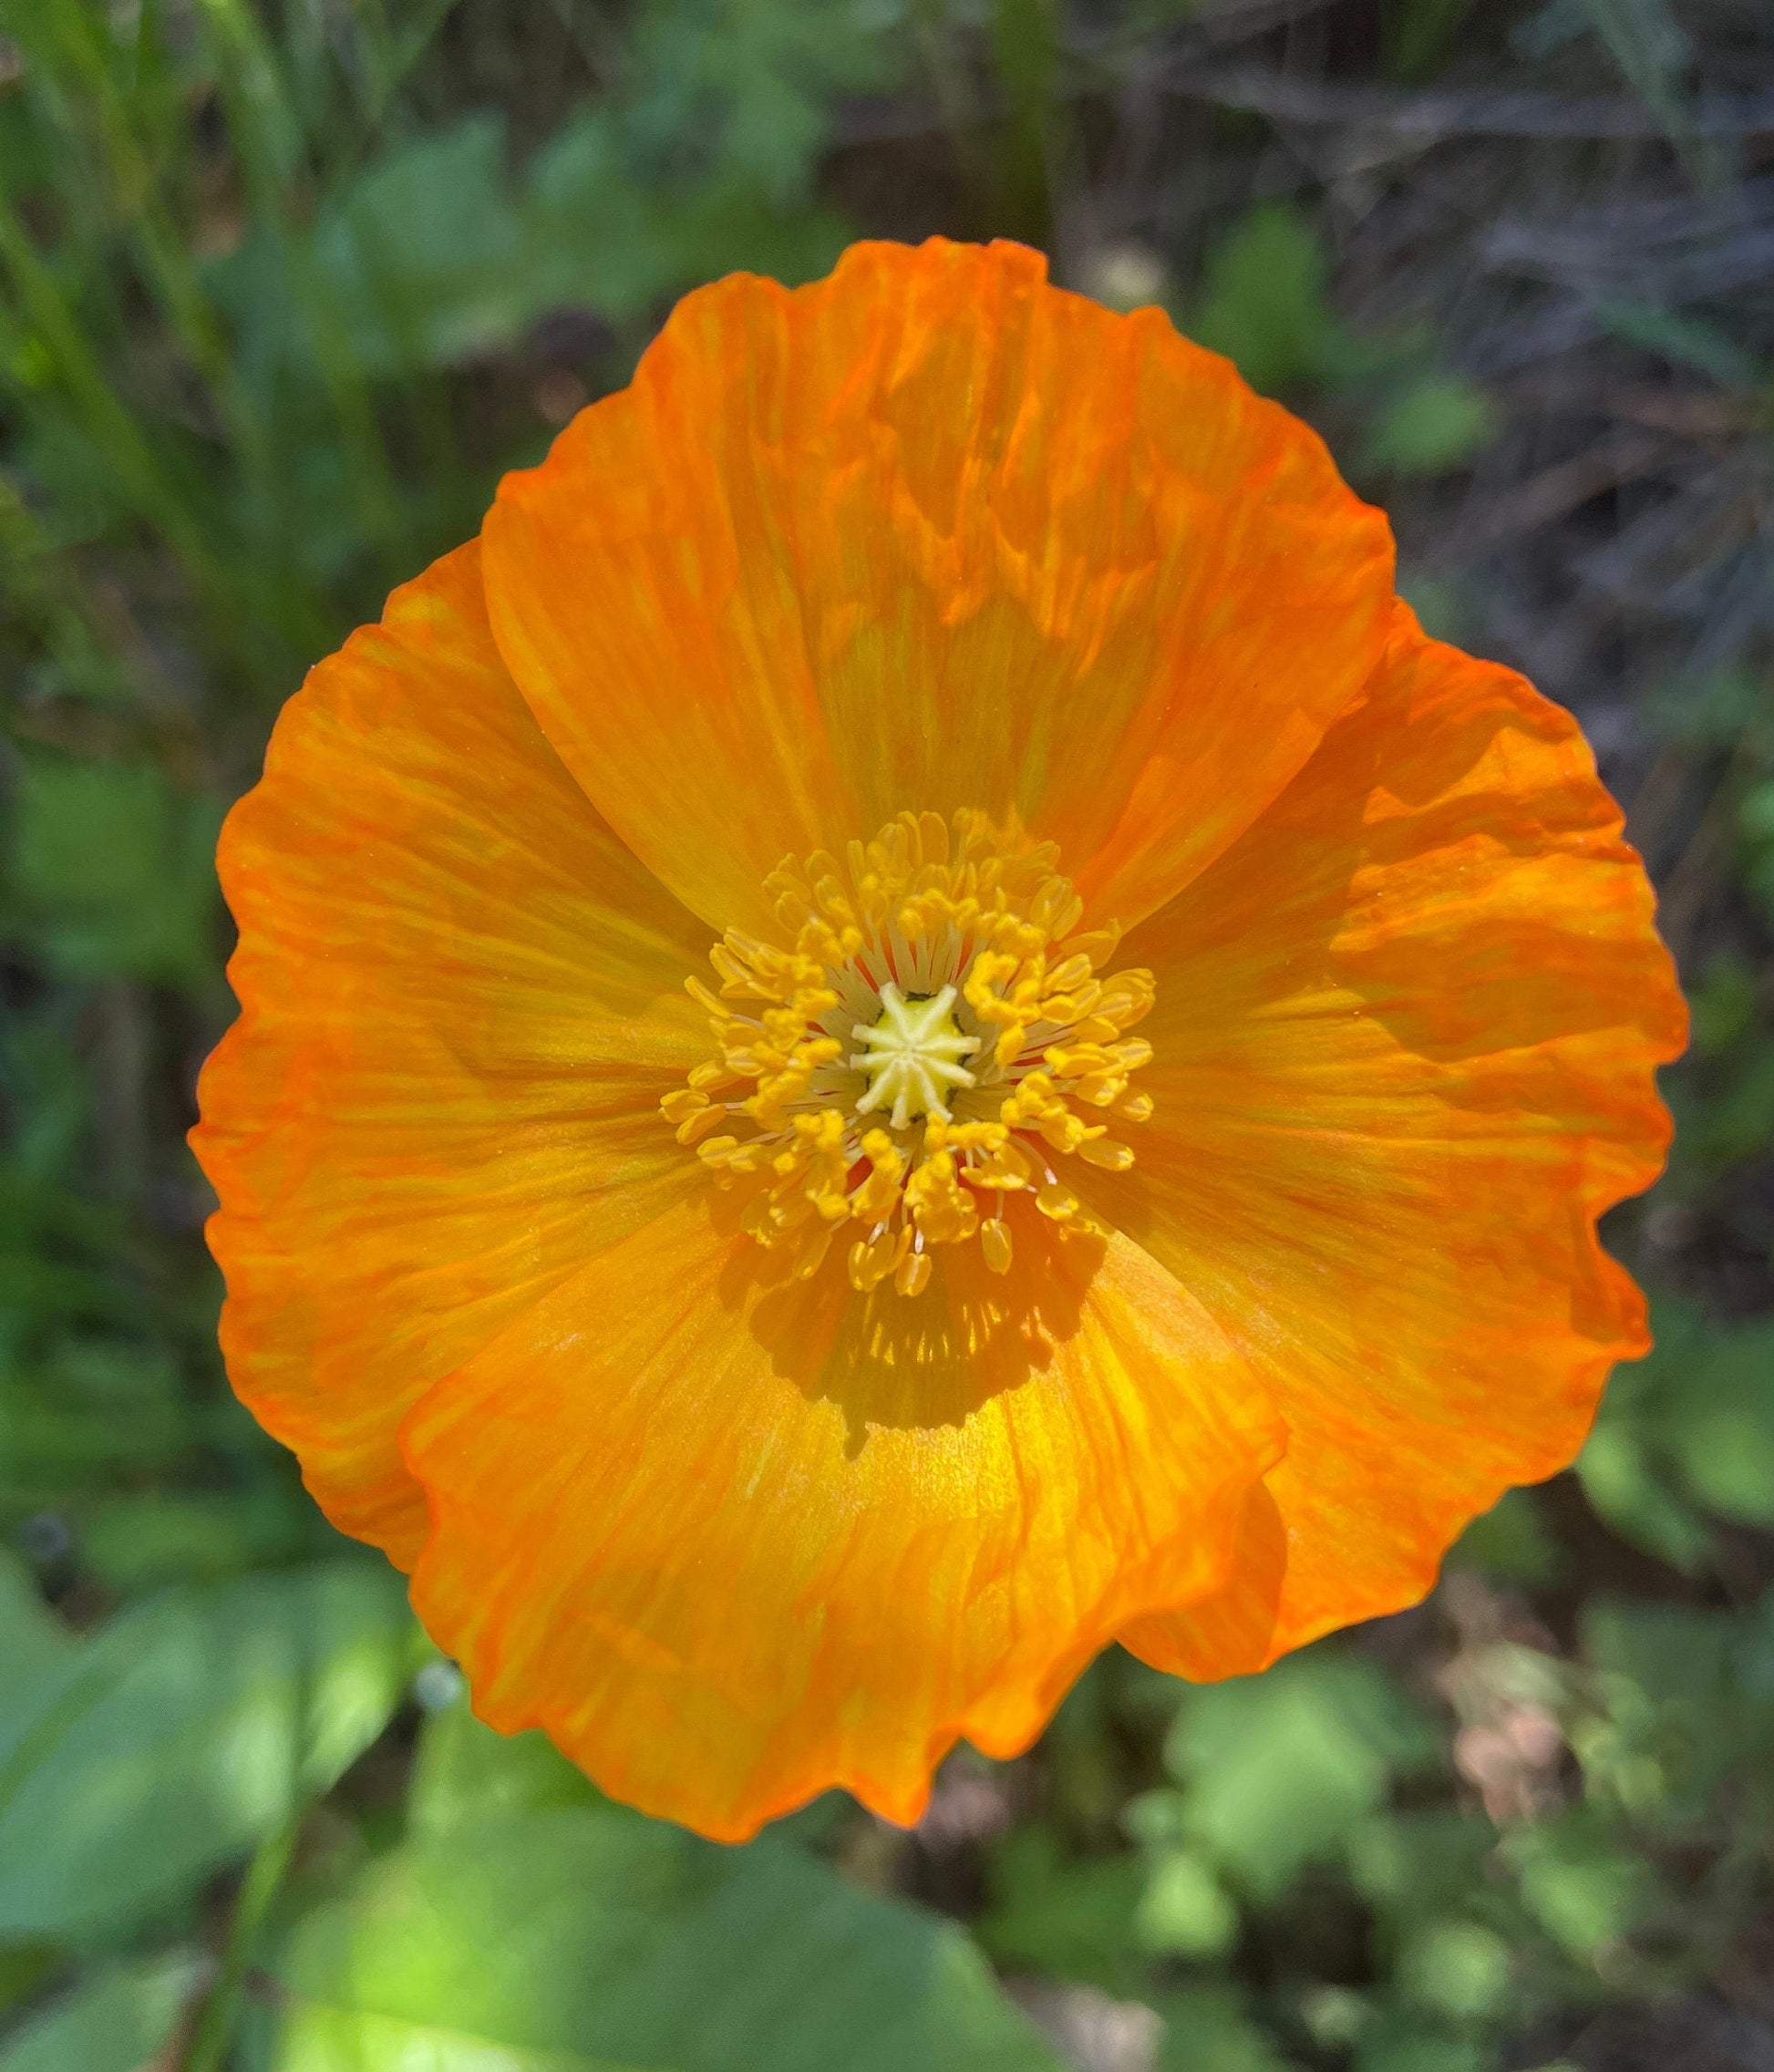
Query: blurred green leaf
x: 464, y: 1772
x: 34, y: 1644
x: 1686, y: 1701
x: 1510, y: 1541
x: 1435, y: 424
x: 325, y: 2041
x: 116, y: 2020
x: 1409, y: 1864
x: 1724, y: 1006
x: 1459, y: 1968
x: 1417, y: 33
x: 111, y: 871
x: 1585, y: 1887
x: 1054, y: 1910
x: 1653, y: 51
x: 85, y: 1409
x: 438, y: 252
x: 1711, y: 710
x: 1409, y: 2044
x: 183, y: 1733
x: 423, y: 250
x: 601, y: 238
x: 589, y: 1931
x: 750, y: 85
x: 1687, y: 1431
x: 1683, y: 341
x: 1185, y: 1909
x: 1209, y: 2028
x: 1619, y: 1480
x: 1264, y: 301
x: 1277, y: 1769
x: 136, y: 1542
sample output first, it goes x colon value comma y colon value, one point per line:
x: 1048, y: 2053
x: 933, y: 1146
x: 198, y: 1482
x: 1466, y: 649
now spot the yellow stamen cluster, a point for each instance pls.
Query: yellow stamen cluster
x: 925, y: 1037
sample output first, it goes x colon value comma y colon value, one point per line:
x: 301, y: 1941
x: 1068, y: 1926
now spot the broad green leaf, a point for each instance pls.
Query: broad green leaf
x: 438, y: 254
x: 322, y: 2039
x: 184, y: 1732
x: 116, y: 2020
x: 1724, y: 1006
x: 34, y: 1644
x: 604, y: 1938
x: 465, y: 1771
x: 1724, y: 1434
x: 89, y: 1409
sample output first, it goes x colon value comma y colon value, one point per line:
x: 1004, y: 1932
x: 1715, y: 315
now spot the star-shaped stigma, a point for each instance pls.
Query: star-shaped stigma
x: 911, y: 1055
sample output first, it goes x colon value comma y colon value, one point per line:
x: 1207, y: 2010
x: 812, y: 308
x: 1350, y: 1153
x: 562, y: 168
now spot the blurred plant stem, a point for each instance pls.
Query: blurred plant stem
x: 213, y: 2036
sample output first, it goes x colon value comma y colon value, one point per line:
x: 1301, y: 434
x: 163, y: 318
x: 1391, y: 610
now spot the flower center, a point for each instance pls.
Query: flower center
x: 910, y: 1055
x: 917, y: 1052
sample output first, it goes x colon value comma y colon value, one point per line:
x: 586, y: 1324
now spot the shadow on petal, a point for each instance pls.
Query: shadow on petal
x: 902, y: 1363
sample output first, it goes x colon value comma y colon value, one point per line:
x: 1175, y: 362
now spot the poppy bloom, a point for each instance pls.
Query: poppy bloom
x: 907, y: 1025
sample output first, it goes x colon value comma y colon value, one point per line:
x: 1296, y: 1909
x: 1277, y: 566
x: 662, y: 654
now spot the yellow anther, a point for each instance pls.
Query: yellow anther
x: 943, y: 1210
x: 913, y: 1275
x: 1104, y: 1152
x: 995, y: 1242
x: 921, y: 1034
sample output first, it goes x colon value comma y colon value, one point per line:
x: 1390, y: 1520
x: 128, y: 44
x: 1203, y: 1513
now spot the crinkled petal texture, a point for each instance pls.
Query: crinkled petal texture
x: 731, y: 1544
x: 927, y: 535
x: 1405, y: 1036
x: 932, y: 534
x: 462, y: 1000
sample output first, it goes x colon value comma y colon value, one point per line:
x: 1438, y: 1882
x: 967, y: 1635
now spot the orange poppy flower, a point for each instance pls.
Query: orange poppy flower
x: 690, y: 1189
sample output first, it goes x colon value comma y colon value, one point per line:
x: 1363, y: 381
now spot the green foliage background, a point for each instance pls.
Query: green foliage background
x: 285, y: 284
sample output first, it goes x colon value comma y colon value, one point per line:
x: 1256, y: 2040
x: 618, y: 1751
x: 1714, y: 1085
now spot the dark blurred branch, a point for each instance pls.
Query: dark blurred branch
x: 1287, y: 97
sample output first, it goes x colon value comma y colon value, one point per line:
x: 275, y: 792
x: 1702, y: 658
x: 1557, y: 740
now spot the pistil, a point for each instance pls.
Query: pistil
x: 911, y: 1055
x: 933, y: 943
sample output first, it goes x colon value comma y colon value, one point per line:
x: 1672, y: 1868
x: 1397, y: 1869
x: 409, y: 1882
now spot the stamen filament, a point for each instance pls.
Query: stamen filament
x: 934, y: 943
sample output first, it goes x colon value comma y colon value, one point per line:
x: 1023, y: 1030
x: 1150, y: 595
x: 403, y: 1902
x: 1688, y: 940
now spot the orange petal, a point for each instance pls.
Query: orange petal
x: 462, y: 999
x: 731, y: 1544
x: 1405, y: 1036
x: 931, y: 533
